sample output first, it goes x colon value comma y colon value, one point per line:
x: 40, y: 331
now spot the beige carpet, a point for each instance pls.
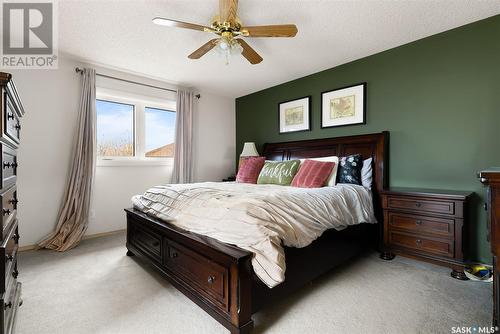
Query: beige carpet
x: 97, y: 289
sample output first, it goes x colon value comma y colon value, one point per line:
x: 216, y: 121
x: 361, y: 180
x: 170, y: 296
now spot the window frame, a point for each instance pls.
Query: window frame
x: 140, y: 102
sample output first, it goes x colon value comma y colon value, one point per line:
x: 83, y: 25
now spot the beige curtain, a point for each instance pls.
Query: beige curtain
x: 73, y: 216
x: 183, y: 161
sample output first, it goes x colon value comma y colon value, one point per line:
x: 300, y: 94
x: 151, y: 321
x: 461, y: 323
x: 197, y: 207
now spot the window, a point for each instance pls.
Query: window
x: 133, y: 129
x: 160, y: 132
x: 115, y: 129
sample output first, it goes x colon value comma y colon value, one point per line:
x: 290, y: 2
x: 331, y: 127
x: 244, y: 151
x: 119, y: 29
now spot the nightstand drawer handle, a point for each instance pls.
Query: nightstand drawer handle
x: 211, y: 279
x: 418, y: 204
x: 418, y: 241
x: 418, y: 222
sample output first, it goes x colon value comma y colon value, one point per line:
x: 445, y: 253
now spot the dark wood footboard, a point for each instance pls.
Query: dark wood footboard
x: 216, y: 276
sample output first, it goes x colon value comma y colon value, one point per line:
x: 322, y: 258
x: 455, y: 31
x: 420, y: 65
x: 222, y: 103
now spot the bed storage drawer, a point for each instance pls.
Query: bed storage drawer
x: 146, y: 241
x: 418, y: 243
x: 209, y: 278
x: 414, y: 204
x: 422, y: 224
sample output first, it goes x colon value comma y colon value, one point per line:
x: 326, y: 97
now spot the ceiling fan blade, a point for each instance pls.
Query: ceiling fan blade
x: 280, y: 30
x: 228, y: 10
x: 203, y: 49
x: 250, y: 54
x: 179, y: 24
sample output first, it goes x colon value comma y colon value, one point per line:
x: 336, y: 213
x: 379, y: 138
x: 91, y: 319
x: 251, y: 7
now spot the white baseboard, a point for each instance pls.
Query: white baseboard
x: 90, y: 236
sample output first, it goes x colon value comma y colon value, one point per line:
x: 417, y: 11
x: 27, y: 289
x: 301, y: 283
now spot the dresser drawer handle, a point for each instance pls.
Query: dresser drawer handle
x: 14, y: 165
x: 6, y: 212
x: 18, y: 126
x: 10, y: 115
x: 6, y: 165
x: 15, y: 273
x: 173, y: 255
x: 418, y: 204
x: 16, y: 238
x: 418, y: 222
x: 418, y: 241
x: 211, y: 279
x: 7, y: 305
x: 10, y: 257
x: 14, y: 201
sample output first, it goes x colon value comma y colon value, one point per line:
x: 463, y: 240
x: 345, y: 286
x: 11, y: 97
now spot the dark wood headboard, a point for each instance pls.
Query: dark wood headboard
x: 375, y: 145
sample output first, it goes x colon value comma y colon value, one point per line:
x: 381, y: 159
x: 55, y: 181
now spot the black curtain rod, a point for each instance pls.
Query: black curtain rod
x: 79, y: 70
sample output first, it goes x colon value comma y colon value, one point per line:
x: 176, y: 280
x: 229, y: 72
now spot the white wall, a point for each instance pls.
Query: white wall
x: 214, y: 138
x: 50, y: 99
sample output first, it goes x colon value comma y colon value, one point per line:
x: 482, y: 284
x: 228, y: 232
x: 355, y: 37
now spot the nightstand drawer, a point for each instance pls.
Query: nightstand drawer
x: 422, y: 224
x: 422, y: 244
x: 421, y: 205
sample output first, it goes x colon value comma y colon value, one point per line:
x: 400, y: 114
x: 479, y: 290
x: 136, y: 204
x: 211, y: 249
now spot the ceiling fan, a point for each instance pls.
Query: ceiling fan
x: 230, y: 29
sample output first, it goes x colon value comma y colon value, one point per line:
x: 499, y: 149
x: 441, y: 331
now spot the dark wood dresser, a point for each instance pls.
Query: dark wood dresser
x: 491, y: 178
x: 425, y: 225
x: 12, y: 111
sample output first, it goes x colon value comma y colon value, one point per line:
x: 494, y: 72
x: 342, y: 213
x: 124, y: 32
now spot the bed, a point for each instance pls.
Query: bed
x: 219, y: 277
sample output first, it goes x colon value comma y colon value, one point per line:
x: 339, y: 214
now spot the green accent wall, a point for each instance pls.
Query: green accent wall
x: 440, y: 99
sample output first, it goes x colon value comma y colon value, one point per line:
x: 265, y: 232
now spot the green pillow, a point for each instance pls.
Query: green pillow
x: 278, y: 172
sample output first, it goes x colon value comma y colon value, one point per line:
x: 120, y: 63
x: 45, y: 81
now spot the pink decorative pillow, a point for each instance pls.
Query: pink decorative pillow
x: 313, y: 174
x: 250, y: 169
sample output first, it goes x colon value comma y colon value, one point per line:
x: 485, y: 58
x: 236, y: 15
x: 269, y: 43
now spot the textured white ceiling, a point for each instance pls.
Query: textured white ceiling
x: 120, y: 34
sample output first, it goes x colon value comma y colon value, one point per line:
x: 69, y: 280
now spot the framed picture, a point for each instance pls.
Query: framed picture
x: 344, y: 106
x: 295, y: 115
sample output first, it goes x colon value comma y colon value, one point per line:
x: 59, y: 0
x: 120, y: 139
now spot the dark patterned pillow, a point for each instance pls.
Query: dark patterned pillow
x: 350, y: 169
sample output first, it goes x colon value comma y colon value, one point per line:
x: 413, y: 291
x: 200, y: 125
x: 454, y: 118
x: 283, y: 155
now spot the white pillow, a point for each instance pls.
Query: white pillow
x: 367, y: 173
x: 332, y: 179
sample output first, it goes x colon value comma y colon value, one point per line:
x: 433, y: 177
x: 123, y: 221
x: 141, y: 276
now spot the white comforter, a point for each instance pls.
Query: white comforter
x: 259, y: 218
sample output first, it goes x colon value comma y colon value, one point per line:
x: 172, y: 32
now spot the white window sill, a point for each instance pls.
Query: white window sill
x: 131, y: 162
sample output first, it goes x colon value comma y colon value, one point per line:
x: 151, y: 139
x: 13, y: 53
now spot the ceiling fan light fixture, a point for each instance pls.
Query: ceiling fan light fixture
x: 227, y: 46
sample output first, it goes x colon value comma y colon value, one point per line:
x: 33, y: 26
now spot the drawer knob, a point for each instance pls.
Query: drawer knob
x: 14, y: 165
x: 418, y: 222
x: 10, y: 115
x: 211, y: 279
x: 18, y: 126
x: 14, y: 201
x: 15, y: 273
x: 7, y: 305
x: 10, y: 257
x: 6, y: 212
x: 6, y: 165
x: 173, y: 255
x: 16, y: 237
x: 418, y: 241
x: 418, y: 204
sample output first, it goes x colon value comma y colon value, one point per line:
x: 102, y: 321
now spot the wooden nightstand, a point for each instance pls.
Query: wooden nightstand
x: 425, y: 225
